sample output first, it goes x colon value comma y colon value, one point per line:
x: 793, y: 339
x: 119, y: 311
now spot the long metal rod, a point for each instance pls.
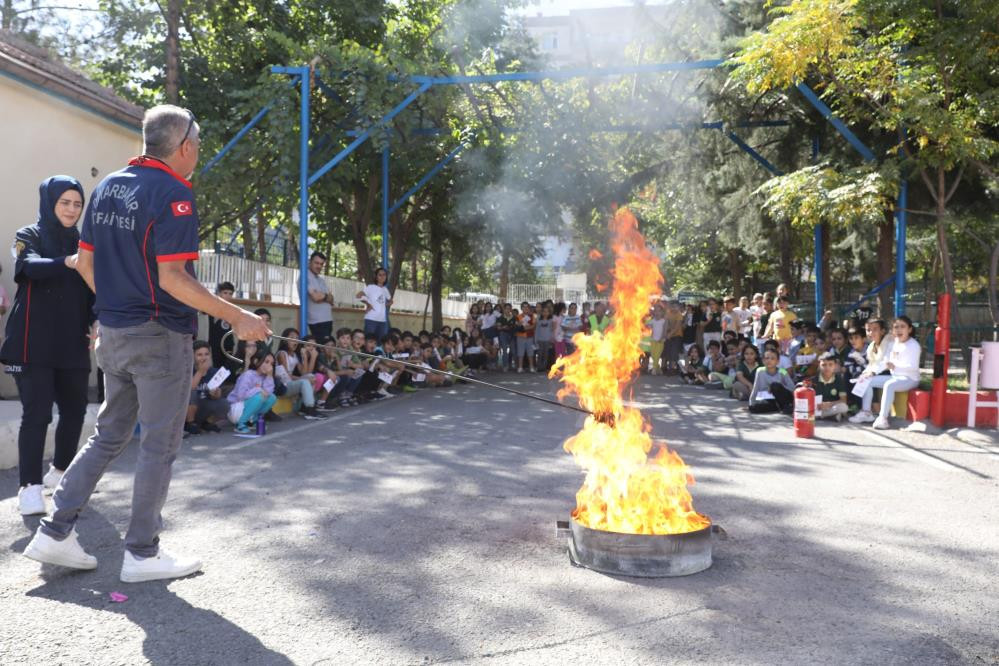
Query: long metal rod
x: 426, y: 178
x: 840, y: 126
x: 422, y: 369
x: 363, y: 136
x: 562, y: 74
x: 303, y: 200
x: 754, y: 154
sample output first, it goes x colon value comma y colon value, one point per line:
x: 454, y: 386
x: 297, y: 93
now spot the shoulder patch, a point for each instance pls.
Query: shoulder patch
x: 18, y: 248
x: 181, y: 208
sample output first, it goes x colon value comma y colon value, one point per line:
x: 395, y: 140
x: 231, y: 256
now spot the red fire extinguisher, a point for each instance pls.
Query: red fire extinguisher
x: 804, y: 410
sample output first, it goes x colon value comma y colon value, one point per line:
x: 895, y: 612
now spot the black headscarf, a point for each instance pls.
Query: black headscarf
x: 57, y: 240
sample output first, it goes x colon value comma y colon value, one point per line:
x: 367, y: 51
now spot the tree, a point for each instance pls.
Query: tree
x: 917, y: 77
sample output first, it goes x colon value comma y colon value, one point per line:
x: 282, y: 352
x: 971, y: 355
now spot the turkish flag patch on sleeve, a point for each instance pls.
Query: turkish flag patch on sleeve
x: 181, y: 208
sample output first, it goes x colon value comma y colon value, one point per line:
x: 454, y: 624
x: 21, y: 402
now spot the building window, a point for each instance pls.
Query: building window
x: 549, y: 41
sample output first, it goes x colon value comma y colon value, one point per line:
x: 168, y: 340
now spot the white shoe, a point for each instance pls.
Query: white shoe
x: 882, y: 423
x: 52, y: 479
x: 161, y: 566
x: 65, y: 553
x: 30, y: 501
x: 862, y: 416
x: 384, y: 393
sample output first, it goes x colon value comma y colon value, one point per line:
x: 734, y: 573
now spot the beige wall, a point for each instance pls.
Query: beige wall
x: 44, y: 135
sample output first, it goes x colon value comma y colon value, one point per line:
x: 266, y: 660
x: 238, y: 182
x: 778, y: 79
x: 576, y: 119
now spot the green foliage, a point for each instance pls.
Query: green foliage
x: 826, y: 194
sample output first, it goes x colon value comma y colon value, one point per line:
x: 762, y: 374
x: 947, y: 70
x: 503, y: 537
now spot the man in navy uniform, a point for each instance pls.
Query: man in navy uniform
x: 137, y: 247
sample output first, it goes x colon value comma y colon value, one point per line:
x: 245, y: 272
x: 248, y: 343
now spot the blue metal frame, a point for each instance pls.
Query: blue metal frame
x: 827, y: 113
x: 901, y: 216
x: 303, y: 76
x: 752, y: 153
x: 818, y: 253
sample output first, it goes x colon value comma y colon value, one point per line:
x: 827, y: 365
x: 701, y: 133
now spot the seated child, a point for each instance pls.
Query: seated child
x: 206, y: 405
x: 745, y: 373
x: 694, y: 371
x: 773, y: 390
x: 854, y: 365
x: 253, y: 394
x: 288, y: 369
x: 830, y: 389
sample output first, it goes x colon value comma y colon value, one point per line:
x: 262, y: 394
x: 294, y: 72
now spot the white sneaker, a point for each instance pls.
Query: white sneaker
x: 162, y: 565
x: 882, y: 423
x: 384, y: 393
x: 30, y: 501
x: 862, y: 416
x: 65, y: 553
x: 52, y: 479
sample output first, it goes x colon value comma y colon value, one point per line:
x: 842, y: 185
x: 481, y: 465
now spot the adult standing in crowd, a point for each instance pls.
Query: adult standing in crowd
x: 137, y: 247
x: 377, y: 301
x: 46, y: 347
x: 320, y: 310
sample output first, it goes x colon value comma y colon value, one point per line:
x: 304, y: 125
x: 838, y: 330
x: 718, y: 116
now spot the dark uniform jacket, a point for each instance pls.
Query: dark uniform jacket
x: 53, y: 308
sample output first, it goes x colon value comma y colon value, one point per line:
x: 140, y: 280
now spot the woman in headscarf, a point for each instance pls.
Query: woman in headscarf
x: 47, y: 347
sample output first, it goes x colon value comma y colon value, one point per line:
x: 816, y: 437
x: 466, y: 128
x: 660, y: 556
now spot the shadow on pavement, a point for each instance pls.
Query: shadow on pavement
x: 176, y: 631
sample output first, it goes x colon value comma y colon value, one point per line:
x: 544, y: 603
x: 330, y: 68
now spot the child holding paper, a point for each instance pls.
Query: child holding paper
x: 772, y: 387
x: 206, y: 404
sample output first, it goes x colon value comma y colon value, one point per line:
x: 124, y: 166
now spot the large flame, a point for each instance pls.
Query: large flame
x: 625, y: 490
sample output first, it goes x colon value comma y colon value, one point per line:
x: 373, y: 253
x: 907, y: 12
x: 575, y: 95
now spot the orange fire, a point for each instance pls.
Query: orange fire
x: 625, y: 490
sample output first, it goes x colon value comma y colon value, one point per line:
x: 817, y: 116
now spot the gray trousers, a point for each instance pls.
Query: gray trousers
x: 147, y: 373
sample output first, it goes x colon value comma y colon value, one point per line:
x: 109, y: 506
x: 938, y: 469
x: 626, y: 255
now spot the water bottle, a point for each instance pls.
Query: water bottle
x: 261, y: 425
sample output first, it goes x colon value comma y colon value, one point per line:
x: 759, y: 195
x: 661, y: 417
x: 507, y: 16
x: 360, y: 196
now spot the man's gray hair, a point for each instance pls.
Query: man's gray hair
x: 163, y: 129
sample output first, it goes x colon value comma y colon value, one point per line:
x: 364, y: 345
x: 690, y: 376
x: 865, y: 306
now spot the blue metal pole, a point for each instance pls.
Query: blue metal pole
x: 827, y: 113
x: 819, y: 278
x: 755, y: 155
x: 563, y: 74
x: 819, y: 250
x: 363, y: 136
x: 303, y: 204
x: 426, y: 178
x: 901, y: 221
x: 385, y: 204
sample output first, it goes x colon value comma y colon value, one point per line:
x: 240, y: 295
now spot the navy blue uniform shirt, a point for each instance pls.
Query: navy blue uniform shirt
x: 138, y: 218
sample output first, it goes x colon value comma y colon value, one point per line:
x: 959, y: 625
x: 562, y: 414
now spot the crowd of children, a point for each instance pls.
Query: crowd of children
x: 757, y: 350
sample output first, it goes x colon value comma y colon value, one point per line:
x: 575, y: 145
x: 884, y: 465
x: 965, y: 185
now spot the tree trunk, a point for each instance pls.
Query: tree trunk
x: 884, y: 261
x: 993, y: 286
x: 8, y: 14
x: 437, y: 271
x: 786, y: 236
x: 945, y: 265
x: 504, y: 276
x: 247, y: 230
x: 173, y: 51
x: 735, y: 270
x: 261, y: 237
x: 359, y: 218
x: 415, y: 270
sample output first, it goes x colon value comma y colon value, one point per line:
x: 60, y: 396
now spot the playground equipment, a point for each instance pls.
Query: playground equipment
x: 304, y: 77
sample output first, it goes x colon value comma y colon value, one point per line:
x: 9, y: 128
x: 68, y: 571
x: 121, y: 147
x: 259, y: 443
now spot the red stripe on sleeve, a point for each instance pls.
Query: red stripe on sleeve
x: 182, y: 256
x: 86, y: 246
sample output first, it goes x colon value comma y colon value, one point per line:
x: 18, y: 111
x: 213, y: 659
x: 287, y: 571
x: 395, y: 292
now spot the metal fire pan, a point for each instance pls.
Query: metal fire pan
x: 641, y: 555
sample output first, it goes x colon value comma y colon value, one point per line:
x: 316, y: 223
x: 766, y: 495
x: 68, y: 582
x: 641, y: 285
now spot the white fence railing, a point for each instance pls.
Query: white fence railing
x: 256, y: 280
x: 535, y: 293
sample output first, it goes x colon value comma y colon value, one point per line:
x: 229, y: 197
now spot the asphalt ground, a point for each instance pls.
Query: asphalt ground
x: 420, y: 530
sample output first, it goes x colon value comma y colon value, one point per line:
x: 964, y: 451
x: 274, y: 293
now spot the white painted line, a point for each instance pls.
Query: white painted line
x: 928, y: 459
